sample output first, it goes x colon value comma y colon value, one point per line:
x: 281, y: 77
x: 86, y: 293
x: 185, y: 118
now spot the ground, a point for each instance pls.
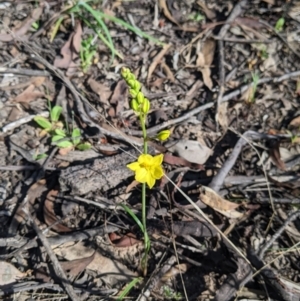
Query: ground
x: 223, y: 77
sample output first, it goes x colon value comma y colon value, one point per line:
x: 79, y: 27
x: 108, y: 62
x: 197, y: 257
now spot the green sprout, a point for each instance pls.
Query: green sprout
x: 55, y: 128
x: 169, y: 294
x: 196, y: 17
x: 50, y: 125
x: 87, y: 53
x: 255, y: 80
x: 279, y: 24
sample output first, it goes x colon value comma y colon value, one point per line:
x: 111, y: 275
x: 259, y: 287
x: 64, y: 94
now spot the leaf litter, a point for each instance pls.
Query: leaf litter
x: 253, y: 156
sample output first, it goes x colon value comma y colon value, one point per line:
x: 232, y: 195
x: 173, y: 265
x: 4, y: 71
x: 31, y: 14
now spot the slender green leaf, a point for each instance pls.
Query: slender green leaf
x: 55, y: 113
x: 98, y: 17
x: 40, y: 156
x: 83, y: 146
x: 57, y: 138
x: 43, y: 122
x: 129, y: 287
x: 60, y: 132
x: 133, y: 215
x: 65, y: 144
x: 76, y: 136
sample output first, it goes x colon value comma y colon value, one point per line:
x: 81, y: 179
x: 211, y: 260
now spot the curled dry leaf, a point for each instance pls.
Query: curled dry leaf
x: 102, y: 90
x: 205, y: 59
x: 25, y: 26
x: 49, y: 214
x: 157, y: 60
x: 9, y: 274
x: 213, y: 200
x: 70, y: 51
x: 174, y: 271
x: 163, y: 6
x: 192, y: 151
x: 29, y: 95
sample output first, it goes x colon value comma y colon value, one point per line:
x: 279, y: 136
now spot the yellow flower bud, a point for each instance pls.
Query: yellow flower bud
x: 140, y: 97
x: 134, y: 105
x: 146, y: 106
x: 163, y: 135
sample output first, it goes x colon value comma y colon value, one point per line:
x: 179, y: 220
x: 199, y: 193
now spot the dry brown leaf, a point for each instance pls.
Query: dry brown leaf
x: 25, y: 26
x: 206, y: 77
x: 163, y: 6
x: 295, y: 123
x: 208, y: 50
x: 49, y: 214
x: 66, y: 54
x: 213, y: 200
x: 70, y: 51
x: 174, y: 160
x: 210, y: 14
x: 157, y: 60
x: 125, y: 241
x: 174, y: 271
x: 29, y: 95
x: 15, y: 113
x: 168, y: 72
x: 9, y: 274
x: 222, y: 116
x: 119, y: 96
x: 275, y: 154
x: 102, y: 90
x: 74, y: 267
x: 204, y: 61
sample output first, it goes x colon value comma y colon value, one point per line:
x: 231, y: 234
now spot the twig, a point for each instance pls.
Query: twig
x: 11, y: 126
x: 268, y: 244
x: 26, y: 72
x: 238, y: 9
x: 56, y: 265
x: 265, y: 80
x: 219, y: 179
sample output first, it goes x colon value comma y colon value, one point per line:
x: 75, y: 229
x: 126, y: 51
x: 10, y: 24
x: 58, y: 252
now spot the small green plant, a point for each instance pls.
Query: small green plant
x: 95, y: 21
x: 255, y: 79
x: 279, y: 24
x: 87, y: 53
x: 50, y: 125
x: 147, y: 168
x: 196, y: 17
x: 55, y: 128
x: 169, y: 294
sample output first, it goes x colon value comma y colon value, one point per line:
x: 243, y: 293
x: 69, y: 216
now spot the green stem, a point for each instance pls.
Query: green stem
x: 146, y: 238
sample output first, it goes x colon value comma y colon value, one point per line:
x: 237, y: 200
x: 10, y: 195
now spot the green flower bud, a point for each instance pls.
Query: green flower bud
x: 140, y: 97
x: 134, y: 105
x: 163, y: 135
x: 146, y: 106
x: 137, y: 86
x: 125, y: 72
x: 133, y: 93
x: 131, y: 83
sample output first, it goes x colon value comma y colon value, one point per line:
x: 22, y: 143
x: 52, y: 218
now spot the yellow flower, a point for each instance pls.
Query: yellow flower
x: 147, y: 169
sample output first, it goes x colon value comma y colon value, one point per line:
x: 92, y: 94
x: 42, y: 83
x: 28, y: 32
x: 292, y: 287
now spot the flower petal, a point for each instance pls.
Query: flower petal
x: 157, y: 160
x: 141, y: 175
x: 150, y: 180
x: 133, y: 166
x: 157, y: 172
x: 145, y: 159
